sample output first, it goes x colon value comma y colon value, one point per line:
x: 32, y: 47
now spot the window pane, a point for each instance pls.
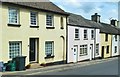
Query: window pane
x: 13, y: 15
x: 49, y: 20
x: 49, y: 48
x: 33, y: 16
x: 14, y: 49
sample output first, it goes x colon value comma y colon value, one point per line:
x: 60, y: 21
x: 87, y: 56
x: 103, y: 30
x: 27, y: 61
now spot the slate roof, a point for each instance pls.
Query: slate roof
x: 78, y: 20
x: 44, y: 5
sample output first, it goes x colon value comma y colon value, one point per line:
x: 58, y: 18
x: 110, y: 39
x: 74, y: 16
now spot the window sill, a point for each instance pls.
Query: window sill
x: 47, y: 57
x: 50, y: 27
x: 85, y: 38
x: 77, y: 39
x: 61, y: 28
x: 34, y: 26
x: 14, y: 25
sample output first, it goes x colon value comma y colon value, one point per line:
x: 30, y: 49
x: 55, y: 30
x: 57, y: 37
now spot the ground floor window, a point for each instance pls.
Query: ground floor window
x: 107, y: 49
x: 83, y: 50
x: 115, y: 49
x: 14, y: 49
x: 49, y: 48
x: 97, y: 49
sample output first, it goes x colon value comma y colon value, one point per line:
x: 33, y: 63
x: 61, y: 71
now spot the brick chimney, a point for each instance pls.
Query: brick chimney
x: 114, y: 22
x: 95, y: 18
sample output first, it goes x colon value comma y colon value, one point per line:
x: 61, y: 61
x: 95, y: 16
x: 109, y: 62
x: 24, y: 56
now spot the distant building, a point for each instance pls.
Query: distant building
x: 83, y: 39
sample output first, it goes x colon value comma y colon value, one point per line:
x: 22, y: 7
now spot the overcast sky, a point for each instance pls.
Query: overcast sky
x: 106, y: 8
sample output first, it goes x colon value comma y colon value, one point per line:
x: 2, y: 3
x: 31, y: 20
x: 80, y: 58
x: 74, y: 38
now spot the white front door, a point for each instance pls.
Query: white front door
x: 75, y: 54
x: 91, y: 51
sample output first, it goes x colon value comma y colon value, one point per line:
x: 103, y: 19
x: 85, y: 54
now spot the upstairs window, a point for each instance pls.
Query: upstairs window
x: 61, y: 21
x: 92, y: 34
x: 76, y: 33
x: 115, y: 37
x: 85, y: 34
x: 49, y: 20
x: 13, y: 16
x: 106, y: 37
x: 33, y: 18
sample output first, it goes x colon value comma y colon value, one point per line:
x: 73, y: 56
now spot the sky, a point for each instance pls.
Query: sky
x: 108, y: 9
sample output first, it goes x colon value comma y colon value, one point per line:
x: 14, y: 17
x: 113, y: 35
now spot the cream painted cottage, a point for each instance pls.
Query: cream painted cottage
x: 36, y: 30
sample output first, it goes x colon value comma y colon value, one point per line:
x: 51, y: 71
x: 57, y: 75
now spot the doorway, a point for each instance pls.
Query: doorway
x: 33, y: 48
x: 91, y: 51
x: 102, y: 52
x: 75, y: 50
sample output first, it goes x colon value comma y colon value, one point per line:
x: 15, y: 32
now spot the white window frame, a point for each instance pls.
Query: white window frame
x: 92, y: 34
x: 83, y: 50
x: 85, y: 34
x: 115, y: 37
x: 48, y: 48
x: 77, y: 33
x: 9, y: 19
x: 115, y: 49
x: 12, y: 52
x: 97, y: 49
x: 49, y: 20
x: 36, y: 18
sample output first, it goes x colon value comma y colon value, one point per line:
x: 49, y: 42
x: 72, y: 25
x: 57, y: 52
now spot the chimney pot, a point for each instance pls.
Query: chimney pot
x: 95, y: 17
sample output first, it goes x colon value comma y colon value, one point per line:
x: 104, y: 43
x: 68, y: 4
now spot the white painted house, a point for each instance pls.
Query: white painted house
x: 115, y: 39
x: 83, y: 39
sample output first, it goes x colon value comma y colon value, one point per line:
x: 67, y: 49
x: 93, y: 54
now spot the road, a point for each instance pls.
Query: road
x: 105, y: 68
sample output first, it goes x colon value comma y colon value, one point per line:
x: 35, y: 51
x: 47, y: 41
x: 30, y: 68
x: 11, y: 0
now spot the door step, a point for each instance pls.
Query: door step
x: 34, y: 65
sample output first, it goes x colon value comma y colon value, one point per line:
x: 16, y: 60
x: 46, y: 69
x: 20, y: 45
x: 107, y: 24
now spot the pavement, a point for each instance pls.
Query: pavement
x: 57, y: 67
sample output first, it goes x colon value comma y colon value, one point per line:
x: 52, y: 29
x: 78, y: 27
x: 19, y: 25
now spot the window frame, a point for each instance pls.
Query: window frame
x: 51, y: 55
x: 62, y: 22
x: 36, y: 18
x: 115, y: 37
x: 76, y: 33
x: 18, y: 16
x: 106, y: 37
x: 115, y: 49
x: 52, y: 21
x: 107, y: 49
x: 86, y: 38
x: 92, y: 34
x: 14, y: 53
x: 83, y: 50
x: 97, y: 49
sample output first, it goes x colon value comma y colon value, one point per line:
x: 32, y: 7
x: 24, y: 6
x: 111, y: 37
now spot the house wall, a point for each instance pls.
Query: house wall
x: 24, y: 32
x: 98, y: 39
x: 72, y: 42
x: 115, y: 43
x: 0, y: 32
x: 105, y: 44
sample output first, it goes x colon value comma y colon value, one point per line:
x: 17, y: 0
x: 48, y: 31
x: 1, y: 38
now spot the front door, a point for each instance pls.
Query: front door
x: 91, y: 52
x: 33, y: 49
x: 102, y: 51
x: 75, y: 54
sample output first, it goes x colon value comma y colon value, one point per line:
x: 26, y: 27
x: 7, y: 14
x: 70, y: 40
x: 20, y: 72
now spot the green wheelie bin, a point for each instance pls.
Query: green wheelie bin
x: 20, y: 62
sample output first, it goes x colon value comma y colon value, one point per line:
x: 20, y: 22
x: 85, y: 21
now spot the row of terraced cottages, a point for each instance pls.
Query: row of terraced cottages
x: 45, y: 33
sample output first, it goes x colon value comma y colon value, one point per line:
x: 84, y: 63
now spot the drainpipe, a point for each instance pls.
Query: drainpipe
x: 94, y: 42
x: 67, y: 21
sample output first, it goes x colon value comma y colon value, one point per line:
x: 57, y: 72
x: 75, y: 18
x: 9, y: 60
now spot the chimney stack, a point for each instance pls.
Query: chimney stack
x: 114, y: 22
x: 95, y: 18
